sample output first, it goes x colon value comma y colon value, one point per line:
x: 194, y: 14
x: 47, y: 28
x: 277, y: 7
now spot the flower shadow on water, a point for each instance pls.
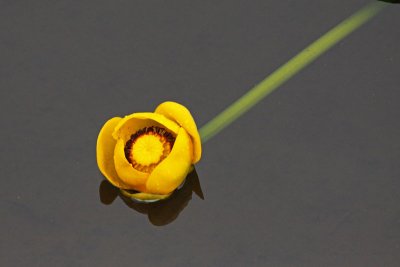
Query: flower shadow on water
x: 161, y: 212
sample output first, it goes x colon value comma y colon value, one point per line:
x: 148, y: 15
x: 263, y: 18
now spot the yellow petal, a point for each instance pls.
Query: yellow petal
x: 136, y: 121
x: 171, y: 172
x: 105, y: 152
x: 145, y: 197
x: 130, y: 176
x: 177, y: 112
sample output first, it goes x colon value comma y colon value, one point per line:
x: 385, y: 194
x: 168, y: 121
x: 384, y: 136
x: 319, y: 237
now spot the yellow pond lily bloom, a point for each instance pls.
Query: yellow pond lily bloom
x: 149, y: 152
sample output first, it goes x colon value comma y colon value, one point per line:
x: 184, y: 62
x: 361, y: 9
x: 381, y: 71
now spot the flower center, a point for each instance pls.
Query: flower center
x: 148, y: 147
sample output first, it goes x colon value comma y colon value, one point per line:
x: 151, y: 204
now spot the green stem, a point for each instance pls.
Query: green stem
x: 289, y: 69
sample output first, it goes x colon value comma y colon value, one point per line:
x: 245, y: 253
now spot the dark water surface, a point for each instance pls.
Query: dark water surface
x: 309, y: 177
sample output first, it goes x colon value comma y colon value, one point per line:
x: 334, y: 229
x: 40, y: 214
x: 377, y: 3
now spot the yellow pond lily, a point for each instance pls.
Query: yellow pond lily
x: 149, y: 152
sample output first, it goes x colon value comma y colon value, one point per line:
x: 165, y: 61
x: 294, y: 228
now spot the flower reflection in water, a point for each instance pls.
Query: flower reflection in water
x: 161, y: 212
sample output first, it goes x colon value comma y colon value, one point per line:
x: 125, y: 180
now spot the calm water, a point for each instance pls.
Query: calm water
x: 309, y: 177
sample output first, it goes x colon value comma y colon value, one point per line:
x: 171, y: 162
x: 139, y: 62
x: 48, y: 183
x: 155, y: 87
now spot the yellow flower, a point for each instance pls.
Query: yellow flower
x: 149, y: 152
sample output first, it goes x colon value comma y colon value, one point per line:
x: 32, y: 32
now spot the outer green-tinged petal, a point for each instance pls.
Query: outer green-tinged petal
x: 145, y: 197
x: 136, y: 121
x: 171, y: 172
x: 105, y: 152
x: 130, y: 176
x: 182, y: 116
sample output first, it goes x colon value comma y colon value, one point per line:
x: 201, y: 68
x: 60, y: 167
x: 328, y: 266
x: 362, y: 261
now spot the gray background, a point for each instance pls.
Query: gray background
x: 308, y: 177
